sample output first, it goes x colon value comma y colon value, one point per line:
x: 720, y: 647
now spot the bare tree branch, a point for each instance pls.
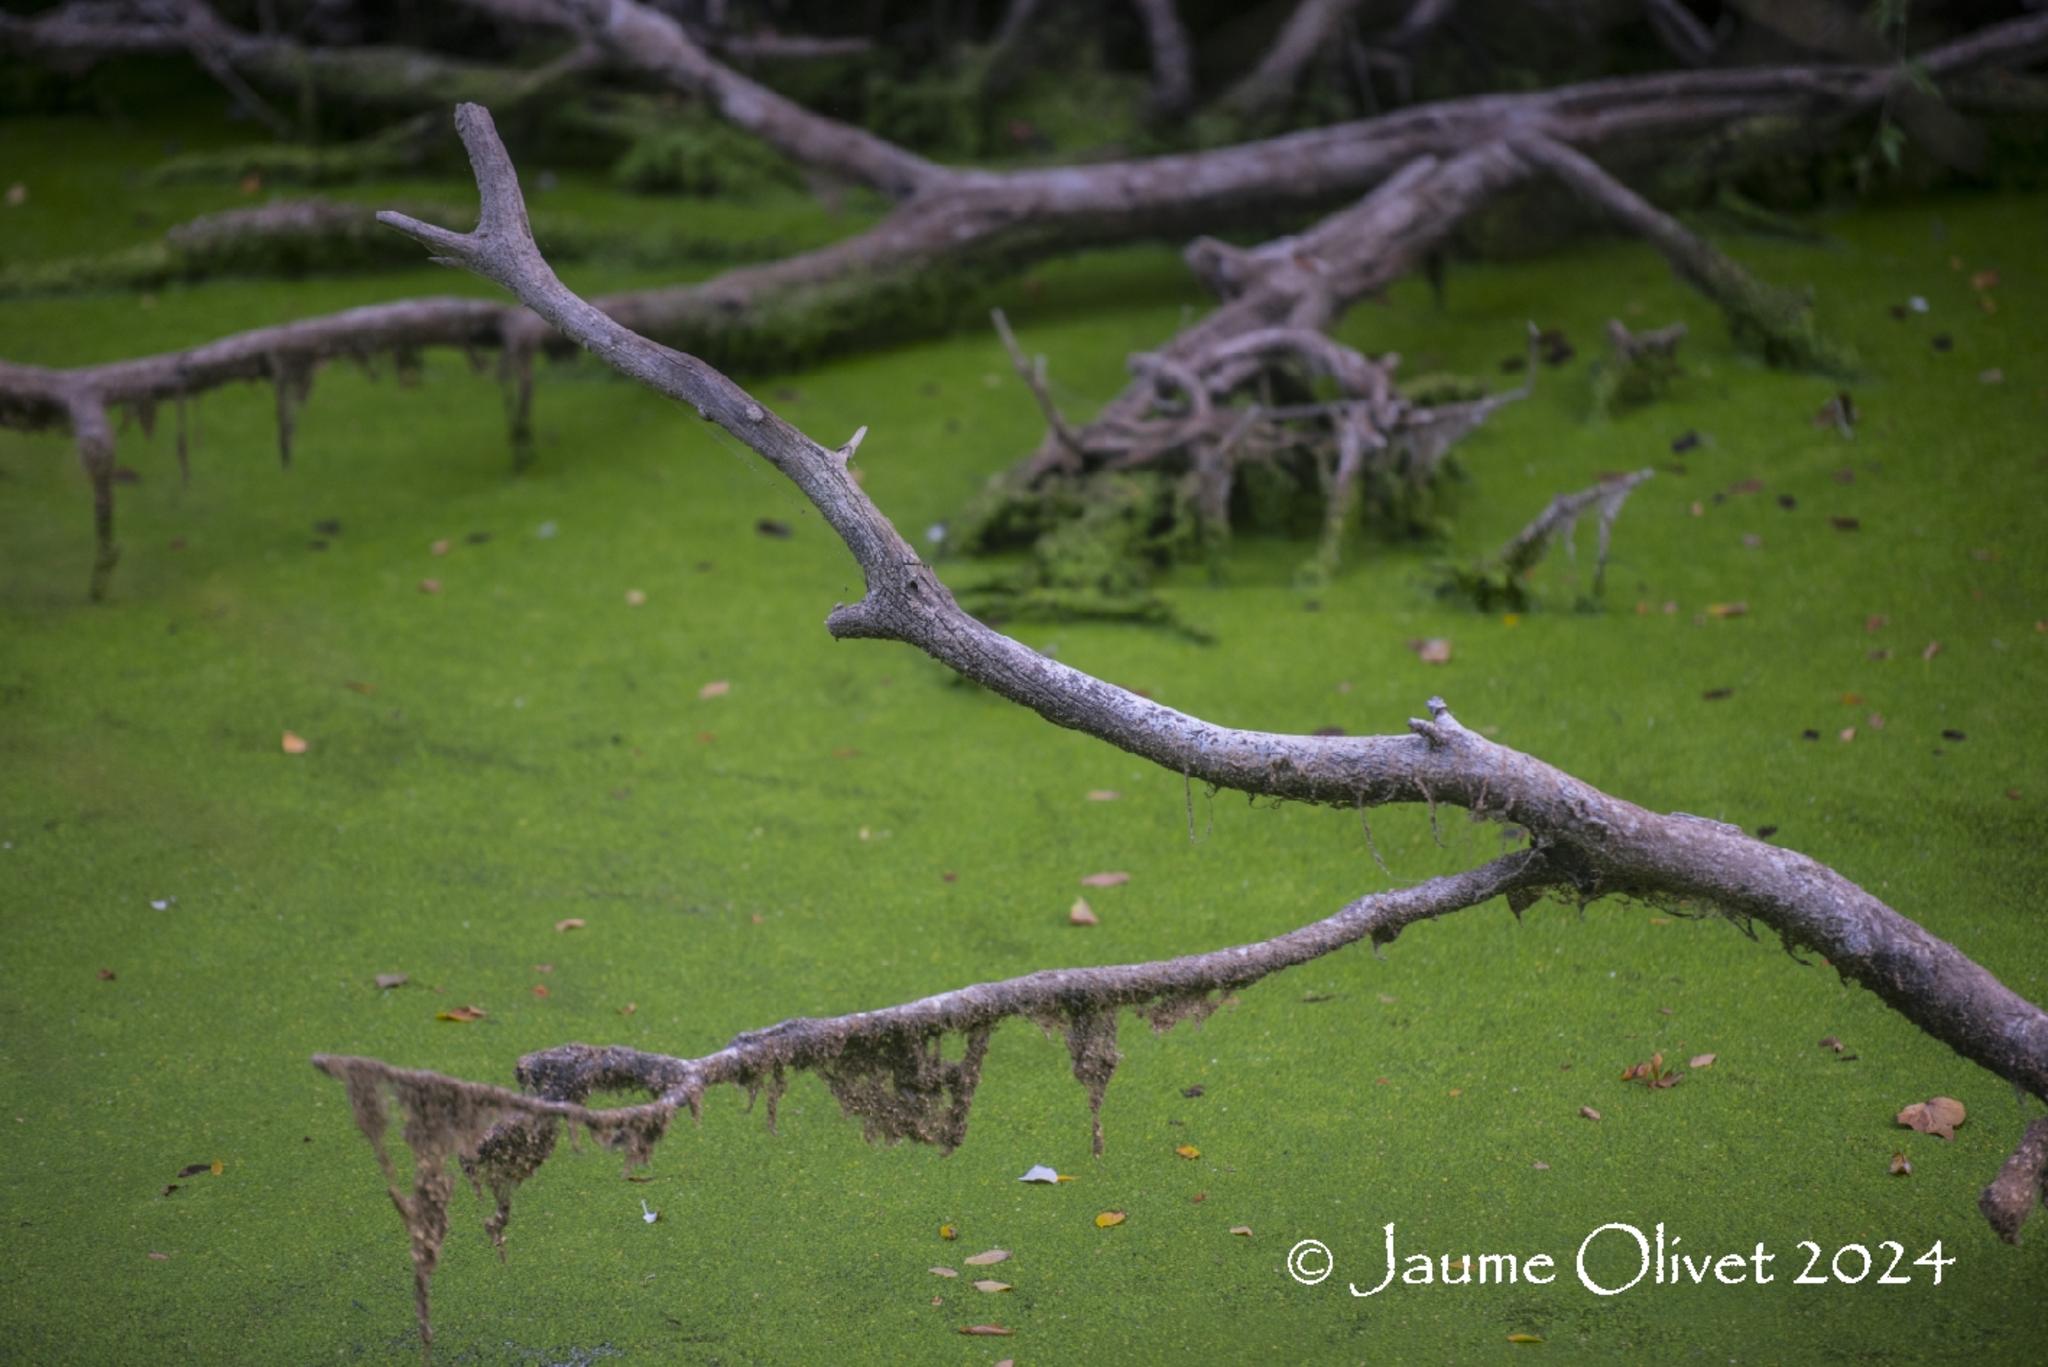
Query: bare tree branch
x: 1586, y: 842
x: 1306, y: 34
x: 1682, y: 34
x: 968, y: 220
x: 1777, y: 323
x: 2020, y: 1185
x: 639, y: 38
x: 80, y: 33
x: 1173, y: 58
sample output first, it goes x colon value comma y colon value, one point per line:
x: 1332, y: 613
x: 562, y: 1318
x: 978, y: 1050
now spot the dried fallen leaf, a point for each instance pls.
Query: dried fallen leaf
x: 987, y: 1331
x: 194, y: 1169
x: 1701, y: 1061
x: 1241, y: 1231
x: 948, y: 1233
x: 1901, y: 1165
x: 463, y: 1014
x: 1105, y: 880
x: 107, y: 975
x: 216, y: 1167
x: 717, y: 688
x: 159, y: 1257
x: 768, y: 526
x: 988, y: 1259
x: 391, y: 980
x: 568, y: 923
x: 629, y: 1008
x: 1433, y: 650
x: 1937, y: 1115
x: 1830, y: 1042
x: 441, y: 547
x: 293, y: 743
x: 1589, y: 1113
x: 1846, y: 734
x: 1103, y: 794
x: 1727, y: 609
x: 1525, y: 1338
x: 985, y: 1284
x: 636, y: 598
x: 1932, y: 649
x: 942, y: 1272
x: 541, y: 990
x: 1188, y: 1151
x: 430, y: 586
x: 1109, y: 1219
x: 1081, y: 914
x: 1199, y: 1197
x: 358, y: 686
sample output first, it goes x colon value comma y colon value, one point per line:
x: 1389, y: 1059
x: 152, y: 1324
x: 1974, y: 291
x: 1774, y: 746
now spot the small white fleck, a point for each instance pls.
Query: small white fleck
x: 935, y: 533
x: 163, y: 903
x: 1917, y: 304
x: 754, y: 413
x: 650, y: 1216
x: 546, y: 531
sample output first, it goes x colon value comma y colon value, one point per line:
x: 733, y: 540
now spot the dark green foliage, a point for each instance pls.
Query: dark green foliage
x: 693, y: 154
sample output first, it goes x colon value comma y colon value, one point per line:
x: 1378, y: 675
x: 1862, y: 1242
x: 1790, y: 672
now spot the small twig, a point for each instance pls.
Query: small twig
x: 1032, y: 373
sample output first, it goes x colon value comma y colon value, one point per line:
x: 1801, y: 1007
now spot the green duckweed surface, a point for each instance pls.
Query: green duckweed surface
x: 845, y: 828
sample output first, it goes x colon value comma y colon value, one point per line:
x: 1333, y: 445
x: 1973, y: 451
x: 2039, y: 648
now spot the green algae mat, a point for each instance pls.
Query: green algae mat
x: 610, y: 781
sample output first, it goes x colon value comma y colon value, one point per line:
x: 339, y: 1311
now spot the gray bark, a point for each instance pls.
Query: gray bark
x: 1585, y: 842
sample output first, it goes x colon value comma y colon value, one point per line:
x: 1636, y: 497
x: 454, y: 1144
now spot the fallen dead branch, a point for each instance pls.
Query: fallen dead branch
x: 888, y: 1067
x: 954, y: 230
x: 1497, y: 583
